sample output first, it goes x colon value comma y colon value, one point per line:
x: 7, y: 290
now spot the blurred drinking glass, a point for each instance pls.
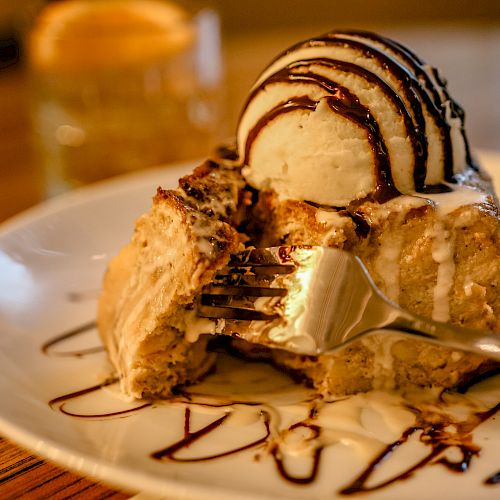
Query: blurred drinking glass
x: 120, y: 85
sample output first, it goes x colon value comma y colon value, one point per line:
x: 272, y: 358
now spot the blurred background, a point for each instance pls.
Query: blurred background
x: 461, y: 38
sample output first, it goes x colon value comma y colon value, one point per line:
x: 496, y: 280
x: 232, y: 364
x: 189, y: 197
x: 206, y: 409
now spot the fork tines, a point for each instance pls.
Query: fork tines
x: 248, y: 277
x: 234, y: 313
x: 242, y: 291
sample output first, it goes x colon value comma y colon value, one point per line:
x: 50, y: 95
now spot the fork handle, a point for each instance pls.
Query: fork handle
x: 465, y: 339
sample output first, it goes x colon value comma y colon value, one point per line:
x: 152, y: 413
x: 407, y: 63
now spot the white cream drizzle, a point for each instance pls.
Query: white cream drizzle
x: 381, y: 346
x: 443, y: 242
x: 443, y: 254
x: 334, y: 224
x: 196, y: 326
x: 387, y: 264
x: 446, y: 203
x: 364, y: 422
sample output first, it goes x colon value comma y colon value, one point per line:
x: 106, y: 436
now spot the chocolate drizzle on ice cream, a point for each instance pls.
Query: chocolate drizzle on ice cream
x: 344, y: 103
x: 399, y: 105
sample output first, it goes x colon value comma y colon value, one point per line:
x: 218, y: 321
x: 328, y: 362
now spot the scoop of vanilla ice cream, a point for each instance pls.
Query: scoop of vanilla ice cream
x: 309, y: 156
x: 350, y: 115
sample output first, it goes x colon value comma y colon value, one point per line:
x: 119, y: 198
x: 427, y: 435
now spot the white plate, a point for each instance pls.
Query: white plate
x: 51, y: 263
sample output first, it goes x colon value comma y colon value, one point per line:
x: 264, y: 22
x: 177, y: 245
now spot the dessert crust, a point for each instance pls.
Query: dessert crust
x: 150, y: 286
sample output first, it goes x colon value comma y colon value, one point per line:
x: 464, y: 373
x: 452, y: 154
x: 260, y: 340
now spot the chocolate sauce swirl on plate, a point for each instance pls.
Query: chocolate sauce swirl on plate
x: 50, y: 347
x: 493, y: 479
x: 169, y: 453
x: 438, y: 439
x: 60, y: 402
x: 438, y: 432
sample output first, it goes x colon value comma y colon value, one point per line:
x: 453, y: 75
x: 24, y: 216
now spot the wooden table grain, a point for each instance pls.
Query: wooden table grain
x: 468, y: 56
x: 23, y: 475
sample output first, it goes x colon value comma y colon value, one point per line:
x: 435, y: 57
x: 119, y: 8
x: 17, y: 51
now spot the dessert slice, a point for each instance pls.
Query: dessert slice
x: 347, y: 140
x: 145, y: 315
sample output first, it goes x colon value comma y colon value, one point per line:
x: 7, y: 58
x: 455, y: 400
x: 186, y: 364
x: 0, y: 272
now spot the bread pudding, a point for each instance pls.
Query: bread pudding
x: 347, y: 140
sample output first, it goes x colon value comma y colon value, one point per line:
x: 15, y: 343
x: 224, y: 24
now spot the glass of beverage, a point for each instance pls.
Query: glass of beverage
x: 120, y: 85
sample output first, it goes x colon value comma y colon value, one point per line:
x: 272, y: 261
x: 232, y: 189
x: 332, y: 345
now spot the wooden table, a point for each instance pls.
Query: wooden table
x: 467, y: 55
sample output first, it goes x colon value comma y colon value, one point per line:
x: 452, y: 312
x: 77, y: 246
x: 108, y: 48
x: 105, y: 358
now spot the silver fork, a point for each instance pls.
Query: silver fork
x: 326, y: 296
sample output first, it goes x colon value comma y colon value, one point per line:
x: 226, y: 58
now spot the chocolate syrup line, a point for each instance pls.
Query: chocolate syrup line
x: 493, y: 479
x: 304, y: 480
x: 297, y: 103
x: 433, y: 436
x: 468, y: 453
x: 410, y: 58
x: 216, y: 405
x: 62, y: 400
x: 343, y: 102
x: 168, y: 454
x: 457, y: 111
x: 358, y: 485
x: 47, y: 346
x: 399, y: 70
x: 413, y: 90
x: 187, y: 420
x: 418, y: 66
x: 386, y: 188
x: 464, y: 386
x: 417, y: 139
x: 279, y: 459
x: 103, y: 415
x: 81, y: 392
